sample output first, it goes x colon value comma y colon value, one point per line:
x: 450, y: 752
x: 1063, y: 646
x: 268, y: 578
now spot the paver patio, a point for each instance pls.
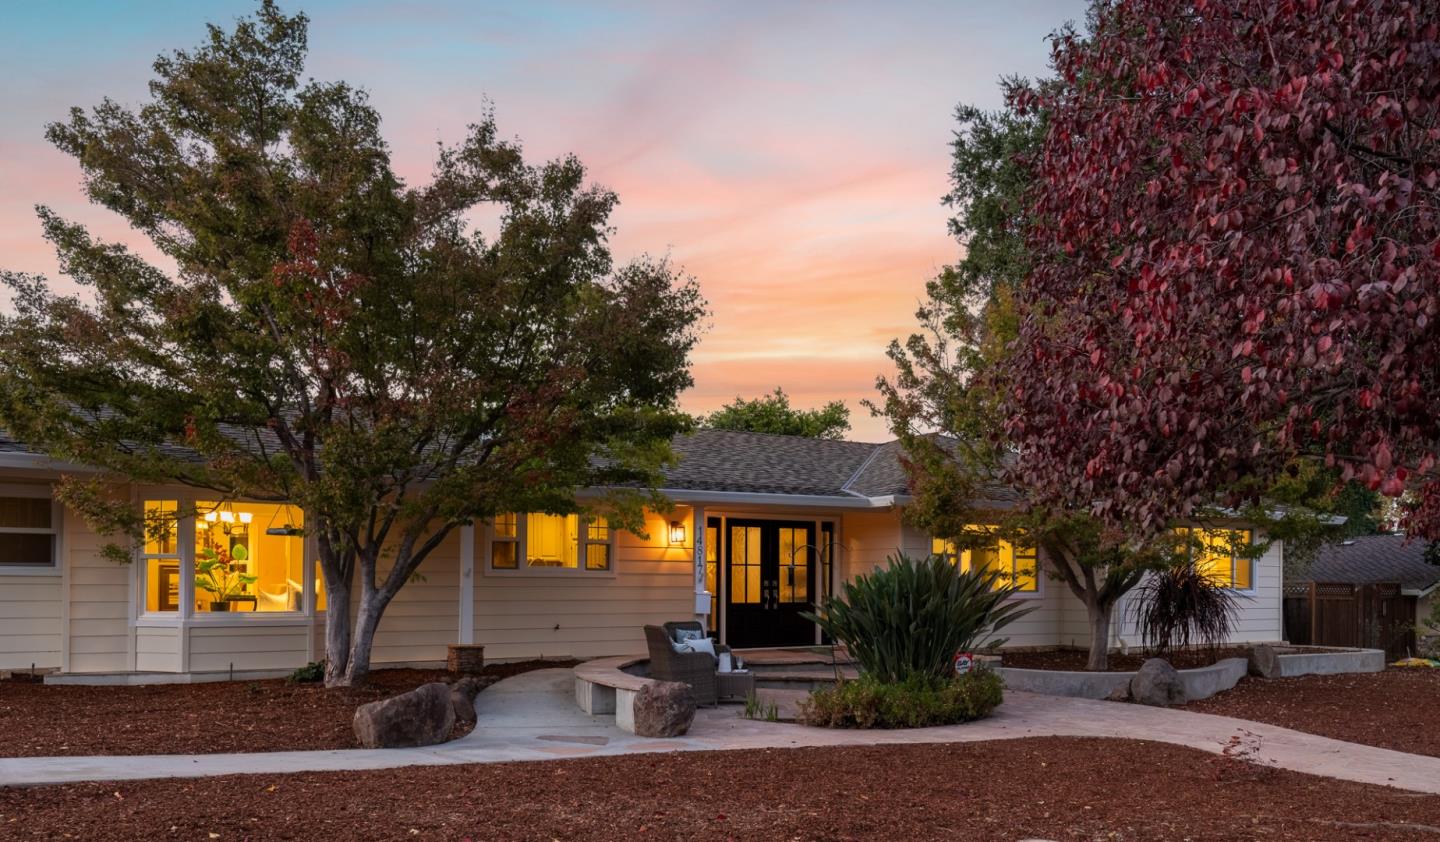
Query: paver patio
x: 533, y: 717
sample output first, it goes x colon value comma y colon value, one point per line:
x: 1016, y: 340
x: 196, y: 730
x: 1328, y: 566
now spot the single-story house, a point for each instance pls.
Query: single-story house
x: 1382, y: 559
x: 760, y: 526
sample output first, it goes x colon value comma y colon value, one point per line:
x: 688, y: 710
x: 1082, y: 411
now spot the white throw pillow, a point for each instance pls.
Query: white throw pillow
x: 701, y: 644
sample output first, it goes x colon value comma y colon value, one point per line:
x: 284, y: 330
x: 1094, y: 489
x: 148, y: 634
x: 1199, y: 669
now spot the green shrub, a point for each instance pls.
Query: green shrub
x: 311, y: 672
x: 915, y: 703
x: 908, y: 619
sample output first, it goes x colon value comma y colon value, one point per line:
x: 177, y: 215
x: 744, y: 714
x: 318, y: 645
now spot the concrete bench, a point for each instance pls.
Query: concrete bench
x: 604, y: 686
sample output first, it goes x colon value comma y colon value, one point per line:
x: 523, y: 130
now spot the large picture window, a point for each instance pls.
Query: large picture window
x: 1217, y: 553
x: 29, y: 532
x: 1016, y: 566
x: 551, y: 542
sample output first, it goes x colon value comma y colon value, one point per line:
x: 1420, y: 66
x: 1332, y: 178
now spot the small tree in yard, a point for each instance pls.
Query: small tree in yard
x: 773, y: 414
x: 334, y: 337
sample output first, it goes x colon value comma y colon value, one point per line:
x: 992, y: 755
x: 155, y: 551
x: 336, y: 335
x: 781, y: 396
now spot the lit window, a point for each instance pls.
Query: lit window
x: 1014, y: 566
x: 744, y: 565
x: 249, y: 557
x: 27, y: 532
x: 542, y: 541
x: 1218, y: 555
x: 161, y: 556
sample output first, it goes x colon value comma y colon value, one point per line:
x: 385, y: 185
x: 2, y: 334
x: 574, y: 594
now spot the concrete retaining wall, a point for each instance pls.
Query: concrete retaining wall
x: 1200, y: 683
x: 1290, y: 662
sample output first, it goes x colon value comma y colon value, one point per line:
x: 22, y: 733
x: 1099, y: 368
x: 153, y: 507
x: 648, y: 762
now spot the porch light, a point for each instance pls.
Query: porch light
x: 677, y: 533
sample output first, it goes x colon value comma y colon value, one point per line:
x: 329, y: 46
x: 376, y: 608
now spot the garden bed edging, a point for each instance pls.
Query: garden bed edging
x: 1294, y: 661
x: 1200, y: 682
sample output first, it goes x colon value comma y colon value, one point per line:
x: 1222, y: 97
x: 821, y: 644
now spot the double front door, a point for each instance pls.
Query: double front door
x: 770, y: 579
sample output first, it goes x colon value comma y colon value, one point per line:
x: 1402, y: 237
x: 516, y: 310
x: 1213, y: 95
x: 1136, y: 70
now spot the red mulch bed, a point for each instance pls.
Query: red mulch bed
x: 40, y: 720
x: 1047, y: 787
x: 1397, y: 708
x: 1074, y: 659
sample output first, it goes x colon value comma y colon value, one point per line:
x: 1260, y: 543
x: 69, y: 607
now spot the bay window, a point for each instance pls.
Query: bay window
x: 551, y: 542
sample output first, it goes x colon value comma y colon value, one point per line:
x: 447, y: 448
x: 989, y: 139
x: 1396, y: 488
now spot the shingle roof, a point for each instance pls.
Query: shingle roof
x: 1376, y: 558
x: 759, y: 463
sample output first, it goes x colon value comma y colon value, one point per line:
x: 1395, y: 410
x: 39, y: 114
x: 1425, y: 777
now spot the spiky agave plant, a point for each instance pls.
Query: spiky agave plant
x: 1180, y: 606
x: 908, y: 619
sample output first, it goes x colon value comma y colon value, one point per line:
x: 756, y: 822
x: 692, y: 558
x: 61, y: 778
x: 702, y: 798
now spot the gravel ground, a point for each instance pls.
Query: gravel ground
x: 1053, y: 788
x: 40, y: 720
x: 1397, y: 708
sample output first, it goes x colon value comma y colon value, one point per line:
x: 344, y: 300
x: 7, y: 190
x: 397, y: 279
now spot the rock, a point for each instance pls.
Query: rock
x: 1157, y: 683
x: 462, y: 696
x: 1264, y: 661
x: 664, y: 709
x: 422, y: 717
x: 1119, y: 694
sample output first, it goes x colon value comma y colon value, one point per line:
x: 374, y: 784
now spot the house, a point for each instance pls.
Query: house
x: 1382, y: 559
x: 761, y: 526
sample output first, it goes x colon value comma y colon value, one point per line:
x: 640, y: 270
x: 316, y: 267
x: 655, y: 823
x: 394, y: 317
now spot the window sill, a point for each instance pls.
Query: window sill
x: 30, y: 570
x: 549, y: 573
x: 238, y: 619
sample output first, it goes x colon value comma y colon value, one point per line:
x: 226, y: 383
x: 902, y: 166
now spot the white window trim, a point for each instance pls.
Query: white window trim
x: 522, y: 528
x: 57, y: 529
x: 185, y: 545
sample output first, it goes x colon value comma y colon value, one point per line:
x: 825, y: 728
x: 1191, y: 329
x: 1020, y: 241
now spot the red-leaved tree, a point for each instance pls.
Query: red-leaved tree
x: 1236, y: 248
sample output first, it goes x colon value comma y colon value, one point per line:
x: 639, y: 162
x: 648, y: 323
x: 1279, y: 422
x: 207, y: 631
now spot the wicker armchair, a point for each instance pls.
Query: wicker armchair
x: 694, y: 668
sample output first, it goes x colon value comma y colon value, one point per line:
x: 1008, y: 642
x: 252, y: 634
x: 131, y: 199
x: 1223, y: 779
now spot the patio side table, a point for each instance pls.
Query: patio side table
x: 734, y: 685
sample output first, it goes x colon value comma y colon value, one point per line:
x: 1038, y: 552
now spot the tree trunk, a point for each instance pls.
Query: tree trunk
x: 367, y: 621
x: 337, y: 632
x: 1099, y: 612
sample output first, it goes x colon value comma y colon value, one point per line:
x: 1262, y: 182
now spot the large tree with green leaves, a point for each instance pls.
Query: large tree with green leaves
x: 332, y: 336
x: 773, y: 414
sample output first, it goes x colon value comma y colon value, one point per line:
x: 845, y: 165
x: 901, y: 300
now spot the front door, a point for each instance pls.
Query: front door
x: 770, y: 579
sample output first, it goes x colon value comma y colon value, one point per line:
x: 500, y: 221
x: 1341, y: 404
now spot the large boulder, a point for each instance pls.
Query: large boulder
x: 1157, y: 683
x: 462, y: 696
x: 422, y: 717
x: 1264, y: 661
x: 664, y: 709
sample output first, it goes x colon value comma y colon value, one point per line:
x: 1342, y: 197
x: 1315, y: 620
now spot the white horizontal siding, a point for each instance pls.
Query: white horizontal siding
x: 157, y: 649
x: 100, y: 633
x: 259, y: 647
x: 586, y: 614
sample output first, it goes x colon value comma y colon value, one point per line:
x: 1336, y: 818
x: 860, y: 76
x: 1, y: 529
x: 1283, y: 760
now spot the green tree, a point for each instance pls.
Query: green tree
x: 773, y: 414
x: 334, y: 337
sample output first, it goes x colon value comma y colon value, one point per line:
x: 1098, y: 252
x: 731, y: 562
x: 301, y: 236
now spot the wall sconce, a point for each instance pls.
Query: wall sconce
x: 677, y: 533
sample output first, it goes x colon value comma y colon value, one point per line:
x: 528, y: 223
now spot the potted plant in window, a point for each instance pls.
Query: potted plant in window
x: 221, y: 572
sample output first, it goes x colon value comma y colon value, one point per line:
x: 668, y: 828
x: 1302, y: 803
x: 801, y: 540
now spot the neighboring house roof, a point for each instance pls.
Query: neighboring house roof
x: 1372, y: 559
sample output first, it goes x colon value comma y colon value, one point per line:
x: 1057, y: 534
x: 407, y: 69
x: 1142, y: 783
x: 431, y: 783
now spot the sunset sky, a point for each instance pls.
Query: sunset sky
x: 791, y: 156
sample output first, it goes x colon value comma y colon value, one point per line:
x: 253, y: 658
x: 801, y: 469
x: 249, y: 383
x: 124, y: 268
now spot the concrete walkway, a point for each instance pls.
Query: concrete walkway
x: 534, y: 717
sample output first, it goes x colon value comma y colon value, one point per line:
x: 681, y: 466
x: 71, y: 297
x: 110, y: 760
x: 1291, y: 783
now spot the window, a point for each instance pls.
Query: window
x: 556, y: 542
x: 712, y: 570
x: 28, y: 531
x: 1217, y: 553
x: 505, y: 543
x: 249, y: 557
x: 794, y: 565
x: 161, y: 556
x: 744, y: 574
x: 1016, y: 566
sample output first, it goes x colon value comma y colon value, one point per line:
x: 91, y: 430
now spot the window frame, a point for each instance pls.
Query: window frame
x: 1039, y: 590
x: 185, y: 546
x: 56, y: 530
x: 521, y: 542
x: 1204, y: 533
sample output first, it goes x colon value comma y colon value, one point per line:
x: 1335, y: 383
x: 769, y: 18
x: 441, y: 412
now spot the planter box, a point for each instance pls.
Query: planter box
x: 465, y: 657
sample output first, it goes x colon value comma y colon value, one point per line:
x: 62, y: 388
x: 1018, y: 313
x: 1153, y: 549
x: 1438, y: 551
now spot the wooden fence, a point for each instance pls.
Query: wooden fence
x: 1339, y: 614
